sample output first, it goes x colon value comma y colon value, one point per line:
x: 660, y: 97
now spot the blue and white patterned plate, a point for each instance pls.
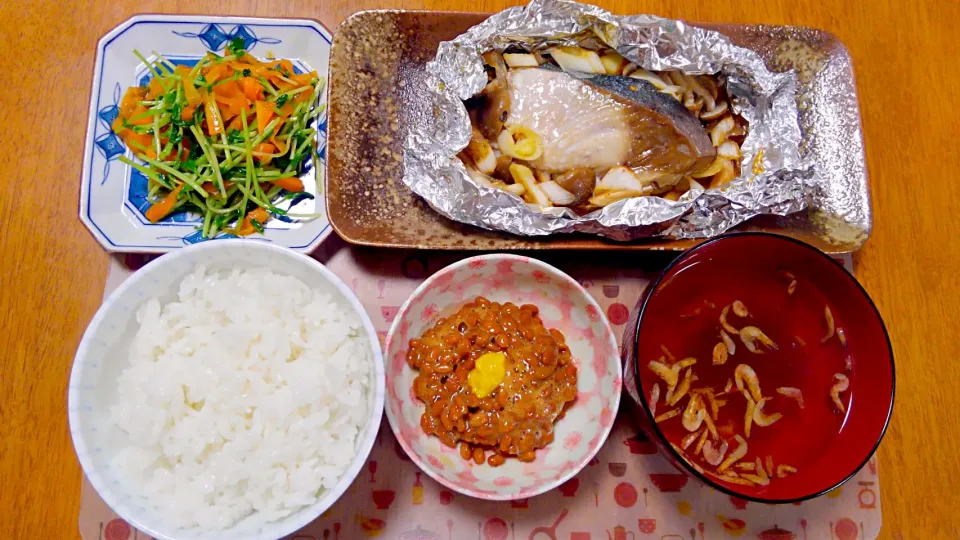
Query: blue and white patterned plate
x: 113, y: 195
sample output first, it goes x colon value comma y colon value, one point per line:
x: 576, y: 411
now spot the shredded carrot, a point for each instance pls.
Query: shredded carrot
x: 160, y: 209
x: 265, y: 112
x: 303, y: 79
x: 131, y: 100
x: 236, y: 123
x: 190, y: 91
x: 259, y: 214
x: 210, y: 188
x: 264, y: 148
x: 252, y: 89
x: 284, y: 113
x: 138, y: 117
x: 281, y: 146
x: 291, y: 184
x: 214, y: 120
x: 155, y: 89
x: 217, y: 72
x: 228, y: 90
x: 143, y: 139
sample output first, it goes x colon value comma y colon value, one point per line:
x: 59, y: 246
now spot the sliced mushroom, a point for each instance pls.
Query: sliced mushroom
x: 579, y: 181
x: 492, y: 112
x: 693, y: 83
x: 677, y: 78
x: 715, y: 112
x: 694, y: 104
x: 709, y: 85
x: 498, y: 79
x: 503, y: 167
x: 721, y: 130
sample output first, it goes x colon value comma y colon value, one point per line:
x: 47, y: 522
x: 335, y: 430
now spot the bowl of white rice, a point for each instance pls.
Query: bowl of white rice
x: 231, y: 389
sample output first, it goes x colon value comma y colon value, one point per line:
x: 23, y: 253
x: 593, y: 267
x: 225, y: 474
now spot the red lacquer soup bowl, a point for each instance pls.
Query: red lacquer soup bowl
x: 761, y: 367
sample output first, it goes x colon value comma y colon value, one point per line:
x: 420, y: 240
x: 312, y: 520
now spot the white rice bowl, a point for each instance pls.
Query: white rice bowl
x: 242, y: 403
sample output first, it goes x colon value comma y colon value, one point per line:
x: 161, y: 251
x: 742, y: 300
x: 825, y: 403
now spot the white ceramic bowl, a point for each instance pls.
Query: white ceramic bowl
x: 103, y: 354
x: 564, y: 305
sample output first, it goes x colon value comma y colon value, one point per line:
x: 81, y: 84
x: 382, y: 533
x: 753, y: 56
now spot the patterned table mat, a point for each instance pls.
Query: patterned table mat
x: 627, y: 492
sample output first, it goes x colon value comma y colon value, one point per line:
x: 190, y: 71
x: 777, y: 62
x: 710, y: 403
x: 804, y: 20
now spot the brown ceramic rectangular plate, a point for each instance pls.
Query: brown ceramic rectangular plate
x: 376, y: 82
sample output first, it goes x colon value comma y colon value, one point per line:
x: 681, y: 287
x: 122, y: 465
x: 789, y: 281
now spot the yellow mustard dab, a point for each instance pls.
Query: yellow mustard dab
x: 487, y: 373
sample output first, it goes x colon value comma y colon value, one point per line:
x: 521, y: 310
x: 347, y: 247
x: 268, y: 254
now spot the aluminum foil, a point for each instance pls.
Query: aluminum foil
x: 777, y: 178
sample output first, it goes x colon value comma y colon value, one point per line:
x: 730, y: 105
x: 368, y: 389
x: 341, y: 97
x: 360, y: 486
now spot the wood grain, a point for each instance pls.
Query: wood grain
x: 52, y: 271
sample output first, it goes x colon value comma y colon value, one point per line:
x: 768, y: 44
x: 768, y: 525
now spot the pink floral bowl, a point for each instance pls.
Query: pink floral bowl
x: 564, y: 305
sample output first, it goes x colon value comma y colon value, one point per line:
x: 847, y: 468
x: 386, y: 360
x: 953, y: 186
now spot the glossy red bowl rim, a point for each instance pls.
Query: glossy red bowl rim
x: 662, y: 439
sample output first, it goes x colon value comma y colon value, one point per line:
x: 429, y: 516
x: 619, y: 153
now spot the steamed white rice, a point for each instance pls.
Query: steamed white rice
x: 245, y: 398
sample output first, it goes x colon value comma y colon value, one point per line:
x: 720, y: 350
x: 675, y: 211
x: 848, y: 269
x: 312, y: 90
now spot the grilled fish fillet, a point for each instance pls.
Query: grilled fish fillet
x: 601, y: 121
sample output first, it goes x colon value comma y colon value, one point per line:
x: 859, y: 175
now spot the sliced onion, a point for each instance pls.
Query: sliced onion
x: 729, y: 150
x: 481, y: 153
x: 613, y: 62
x: 516, y: 189
x: 713, y: 169
x: 677, y: 78
x: 725, y: 176
x: 520, y: 60
x: 557, y: 194
x: 610, y: 197
x: 619, y: 179
x: 577, y: 59
x: 520, y: 142
x: 480, y: 178
x: 524, y: 176
x: 722, y: 130
x: 645, y: 75
x: 489, y: 182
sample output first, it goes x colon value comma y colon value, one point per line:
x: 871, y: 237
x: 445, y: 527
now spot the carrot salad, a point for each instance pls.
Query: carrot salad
x: 226, y: 138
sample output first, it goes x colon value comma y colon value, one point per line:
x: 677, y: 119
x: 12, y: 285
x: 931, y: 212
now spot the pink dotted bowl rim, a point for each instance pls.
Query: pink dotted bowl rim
x: 615, y: 400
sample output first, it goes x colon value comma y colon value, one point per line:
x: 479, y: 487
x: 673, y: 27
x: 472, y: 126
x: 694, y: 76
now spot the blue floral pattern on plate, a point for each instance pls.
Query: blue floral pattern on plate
x: 109, y: 145
x: 114, y: 196
x: 214, y: 37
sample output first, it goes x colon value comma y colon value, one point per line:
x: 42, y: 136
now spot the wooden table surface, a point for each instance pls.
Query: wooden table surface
x: 52, y: 270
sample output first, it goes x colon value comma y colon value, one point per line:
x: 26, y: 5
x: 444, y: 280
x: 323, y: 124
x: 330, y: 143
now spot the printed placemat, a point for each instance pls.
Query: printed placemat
x: 627, y: 492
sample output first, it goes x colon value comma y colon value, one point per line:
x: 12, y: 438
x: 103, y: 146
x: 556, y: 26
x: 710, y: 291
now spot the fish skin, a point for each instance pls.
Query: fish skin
x: 634, y: 124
